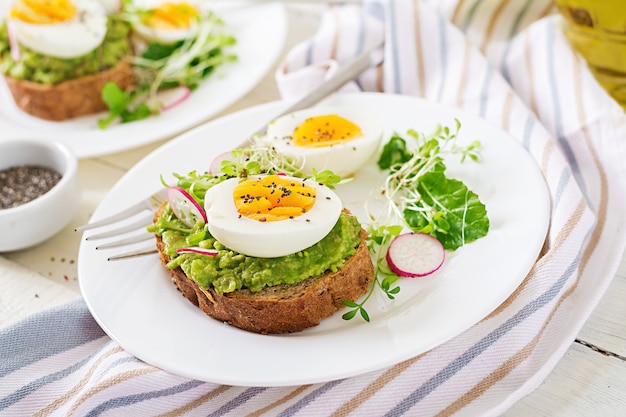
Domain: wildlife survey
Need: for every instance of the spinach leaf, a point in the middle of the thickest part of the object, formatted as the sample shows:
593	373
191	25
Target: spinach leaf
155	50
450	211
418	190
394	152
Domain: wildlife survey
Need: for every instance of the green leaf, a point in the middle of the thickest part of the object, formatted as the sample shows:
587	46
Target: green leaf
327	178
364	315
141	112
155	50
389	279
228	167
460	210
349	315
394	152
253	167
116	100
394	230
114	97
349	303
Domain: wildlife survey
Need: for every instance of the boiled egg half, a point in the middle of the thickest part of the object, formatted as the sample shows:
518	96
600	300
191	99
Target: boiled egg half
272	215
167	21
60	28
340	139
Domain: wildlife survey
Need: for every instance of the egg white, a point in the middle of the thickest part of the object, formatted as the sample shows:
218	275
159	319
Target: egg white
150	34
344	158
269	239
111	6
73	38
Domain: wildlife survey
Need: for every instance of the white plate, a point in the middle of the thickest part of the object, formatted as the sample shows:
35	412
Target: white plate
137	305
260	31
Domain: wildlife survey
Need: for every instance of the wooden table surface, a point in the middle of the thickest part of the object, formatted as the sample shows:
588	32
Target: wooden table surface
590	380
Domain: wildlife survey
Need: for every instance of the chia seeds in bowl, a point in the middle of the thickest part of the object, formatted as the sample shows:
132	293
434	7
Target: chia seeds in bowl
39	191
24	183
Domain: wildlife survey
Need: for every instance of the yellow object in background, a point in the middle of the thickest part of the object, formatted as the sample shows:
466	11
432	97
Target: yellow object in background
597	30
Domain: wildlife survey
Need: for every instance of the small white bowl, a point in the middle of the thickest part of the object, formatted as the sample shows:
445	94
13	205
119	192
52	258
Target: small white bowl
37	220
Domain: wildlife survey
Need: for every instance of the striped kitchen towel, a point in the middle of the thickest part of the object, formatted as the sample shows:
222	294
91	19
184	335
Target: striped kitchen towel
505	61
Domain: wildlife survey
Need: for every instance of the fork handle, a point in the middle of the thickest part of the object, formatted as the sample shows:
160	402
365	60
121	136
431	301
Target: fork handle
346	73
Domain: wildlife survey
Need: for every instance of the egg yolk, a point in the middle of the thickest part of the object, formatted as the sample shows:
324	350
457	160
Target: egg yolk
43	11
327	130
170	16
273	198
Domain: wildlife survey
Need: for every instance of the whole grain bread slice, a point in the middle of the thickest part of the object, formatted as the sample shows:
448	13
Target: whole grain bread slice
69	99
281	308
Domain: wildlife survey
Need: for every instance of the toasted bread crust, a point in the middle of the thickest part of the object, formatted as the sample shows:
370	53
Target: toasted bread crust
70	98
282	308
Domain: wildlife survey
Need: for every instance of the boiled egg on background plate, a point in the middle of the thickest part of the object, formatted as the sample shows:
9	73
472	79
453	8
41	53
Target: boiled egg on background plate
340	139
272	215
61	29
167	21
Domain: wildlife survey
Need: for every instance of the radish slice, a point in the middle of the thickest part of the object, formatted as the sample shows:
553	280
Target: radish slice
184	95
216	163
198	250
185	207
415	255
16	53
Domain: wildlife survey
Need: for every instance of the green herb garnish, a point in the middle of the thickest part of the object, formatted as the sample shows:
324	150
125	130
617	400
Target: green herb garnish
420	197
160	66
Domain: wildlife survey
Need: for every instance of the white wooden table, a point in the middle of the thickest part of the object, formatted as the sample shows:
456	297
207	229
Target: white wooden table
590	380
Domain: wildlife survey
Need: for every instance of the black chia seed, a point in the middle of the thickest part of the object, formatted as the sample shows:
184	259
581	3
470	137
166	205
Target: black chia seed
21	184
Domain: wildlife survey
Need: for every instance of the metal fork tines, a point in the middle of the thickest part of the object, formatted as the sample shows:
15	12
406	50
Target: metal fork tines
127	226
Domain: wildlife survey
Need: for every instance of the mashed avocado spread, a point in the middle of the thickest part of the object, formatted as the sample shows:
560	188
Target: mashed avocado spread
230	271
39	68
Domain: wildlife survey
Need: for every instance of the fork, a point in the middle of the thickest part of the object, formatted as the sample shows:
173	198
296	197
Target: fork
347	73
135	223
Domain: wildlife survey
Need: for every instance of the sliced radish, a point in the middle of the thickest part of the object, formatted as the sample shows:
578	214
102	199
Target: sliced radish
185	207
16	53
415	255
183	92
198	250
216	163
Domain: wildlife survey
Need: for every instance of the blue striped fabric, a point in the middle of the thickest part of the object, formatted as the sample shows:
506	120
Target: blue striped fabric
503	60
36	338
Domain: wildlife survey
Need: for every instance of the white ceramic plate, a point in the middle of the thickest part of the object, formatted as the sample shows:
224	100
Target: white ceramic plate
261	32
137	305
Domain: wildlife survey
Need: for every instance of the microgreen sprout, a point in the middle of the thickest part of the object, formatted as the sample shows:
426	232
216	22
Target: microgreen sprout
258	157
418	196
378	240
328	178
